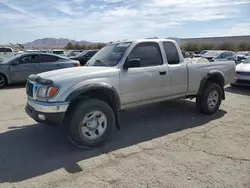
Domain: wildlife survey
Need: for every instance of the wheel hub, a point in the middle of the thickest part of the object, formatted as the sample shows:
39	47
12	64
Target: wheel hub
1	81
94	125
213	99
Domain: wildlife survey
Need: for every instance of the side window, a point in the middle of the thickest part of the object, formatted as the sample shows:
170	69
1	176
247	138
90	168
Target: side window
223	55
5	50
49	58
29	59
148	53
230	54
171	53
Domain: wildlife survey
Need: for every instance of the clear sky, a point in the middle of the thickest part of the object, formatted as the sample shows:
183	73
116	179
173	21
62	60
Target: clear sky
107	20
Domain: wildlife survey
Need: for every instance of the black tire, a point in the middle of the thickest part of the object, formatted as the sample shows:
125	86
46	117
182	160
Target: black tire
3	81
76	117
202	99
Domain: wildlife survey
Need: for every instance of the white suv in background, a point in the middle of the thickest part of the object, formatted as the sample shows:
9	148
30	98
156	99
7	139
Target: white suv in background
6	52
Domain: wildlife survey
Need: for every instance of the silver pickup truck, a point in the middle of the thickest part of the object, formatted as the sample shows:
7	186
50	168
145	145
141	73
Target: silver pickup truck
122	75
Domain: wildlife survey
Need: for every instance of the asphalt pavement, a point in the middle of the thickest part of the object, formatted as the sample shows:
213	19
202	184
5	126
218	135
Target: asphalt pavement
168	144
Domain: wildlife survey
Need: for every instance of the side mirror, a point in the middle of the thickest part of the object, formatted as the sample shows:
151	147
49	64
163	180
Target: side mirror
132	63
14	63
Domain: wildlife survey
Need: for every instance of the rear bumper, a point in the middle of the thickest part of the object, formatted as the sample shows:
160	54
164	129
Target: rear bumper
48	113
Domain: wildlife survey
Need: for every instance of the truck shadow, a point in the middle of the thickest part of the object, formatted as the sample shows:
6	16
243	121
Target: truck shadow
34	150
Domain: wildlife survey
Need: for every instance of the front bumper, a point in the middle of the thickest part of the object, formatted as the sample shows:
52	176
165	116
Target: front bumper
44	112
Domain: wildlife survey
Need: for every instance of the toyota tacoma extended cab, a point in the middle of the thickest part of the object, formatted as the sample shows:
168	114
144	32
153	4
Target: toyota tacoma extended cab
87	100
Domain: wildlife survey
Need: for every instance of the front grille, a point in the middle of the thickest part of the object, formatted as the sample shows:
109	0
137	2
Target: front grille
244	73
29	89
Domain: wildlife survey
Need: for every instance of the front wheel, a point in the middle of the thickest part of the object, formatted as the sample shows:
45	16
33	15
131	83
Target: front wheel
3	81
210	99
92	123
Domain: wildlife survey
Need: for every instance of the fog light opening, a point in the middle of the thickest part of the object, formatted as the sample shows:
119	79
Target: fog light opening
41	117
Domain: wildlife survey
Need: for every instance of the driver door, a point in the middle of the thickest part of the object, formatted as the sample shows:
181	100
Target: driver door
147	82
28	64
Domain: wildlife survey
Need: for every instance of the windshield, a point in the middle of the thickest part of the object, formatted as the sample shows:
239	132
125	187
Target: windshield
211	54
203	52
81	54
247	61
110	55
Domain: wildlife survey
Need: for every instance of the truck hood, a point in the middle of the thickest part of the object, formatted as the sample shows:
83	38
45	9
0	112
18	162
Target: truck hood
75	72
243	67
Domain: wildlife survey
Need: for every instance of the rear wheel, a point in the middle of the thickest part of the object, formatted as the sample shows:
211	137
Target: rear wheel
210	99
3	81
92	123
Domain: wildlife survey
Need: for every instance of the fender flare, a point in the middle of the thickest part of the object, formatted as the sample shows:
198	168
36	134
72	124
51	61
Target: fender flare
220	79
100	86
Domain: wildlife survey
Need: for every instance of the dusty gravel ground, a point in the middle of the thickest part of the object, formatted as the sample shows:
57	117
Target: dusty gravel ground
160	145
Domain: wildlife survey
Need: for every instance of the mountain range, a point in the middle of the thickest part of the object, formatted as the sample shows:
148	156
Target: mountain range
53	43
62	42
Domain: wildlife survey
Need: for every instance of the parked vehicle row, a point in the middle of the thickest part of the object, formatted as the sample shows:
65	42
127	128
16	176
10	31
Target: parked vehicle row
122	75
19	67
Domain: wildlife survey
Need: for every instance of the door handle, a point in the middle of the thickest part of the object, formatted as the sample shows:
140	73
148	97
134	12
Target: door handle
35	66
162	72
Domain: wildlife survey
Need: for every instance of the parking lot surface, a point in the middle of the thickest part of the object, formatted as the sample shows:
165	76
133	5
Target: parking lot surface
161	145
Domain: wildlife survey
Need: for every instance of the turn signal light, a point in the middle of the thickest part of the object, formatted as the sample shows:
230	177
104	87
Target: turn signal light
52	91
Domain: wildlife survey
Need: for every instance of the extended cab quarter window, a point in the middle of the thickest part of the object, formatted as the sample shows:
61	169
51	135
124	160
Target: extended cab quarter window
148	53
171	53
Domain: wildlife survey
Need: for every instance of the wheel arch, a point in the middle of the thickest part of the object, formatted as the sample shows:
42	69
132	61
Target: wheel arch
102	91
216	77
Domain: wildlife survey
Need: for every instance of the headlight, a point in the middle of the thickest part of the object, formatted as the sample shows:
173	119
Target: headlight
47	92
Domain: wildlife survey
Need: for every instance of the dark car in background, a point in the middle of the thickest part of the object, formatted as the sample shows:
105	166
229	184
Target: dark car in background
18	68
85	56
74	53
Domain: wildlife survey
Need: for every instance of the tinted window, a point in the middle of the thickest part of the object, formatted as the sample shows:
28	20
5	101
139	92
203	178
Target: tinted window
5	50
148	53
171	53
230	54
49	58
29	59
58	52
223	55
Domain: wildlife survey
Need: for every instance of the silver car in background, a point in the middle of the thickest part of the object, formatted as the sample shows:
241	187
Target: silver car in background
18	68
218	55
